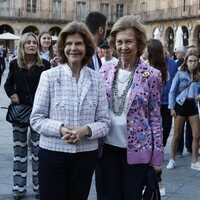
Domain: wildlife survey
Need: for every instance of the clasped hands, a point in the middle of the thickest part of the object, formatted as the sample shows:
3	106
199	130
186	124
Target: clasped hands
73	135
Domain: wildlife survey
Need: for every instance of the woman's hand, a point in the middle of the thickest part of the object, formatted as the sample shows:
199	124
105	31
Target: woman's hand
173	113
74	135
14	98
157	168
67	134
54	61
197	98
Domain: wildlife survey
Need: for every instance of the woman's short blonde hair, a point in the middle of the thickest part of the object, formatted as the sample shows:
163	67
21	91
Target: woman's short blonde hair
128	22
73	28
21	53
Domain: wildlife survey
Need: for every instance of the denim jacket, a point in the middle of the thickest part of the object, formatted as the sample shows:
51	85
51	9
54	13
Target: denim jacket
182	88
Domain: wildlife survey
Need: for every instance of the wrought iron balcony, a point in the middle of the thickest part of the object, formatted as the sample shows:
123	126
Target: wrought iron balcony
170	13
46	15
36	15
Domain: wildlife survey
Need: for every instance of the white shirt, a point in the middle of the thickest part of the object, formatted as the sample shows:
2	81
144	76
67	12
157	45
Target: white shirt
45	55
113	61
96	62
118	132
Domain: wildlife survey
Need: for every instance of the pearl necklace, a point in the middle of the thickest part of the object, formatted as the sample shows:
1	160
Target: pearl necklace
118	109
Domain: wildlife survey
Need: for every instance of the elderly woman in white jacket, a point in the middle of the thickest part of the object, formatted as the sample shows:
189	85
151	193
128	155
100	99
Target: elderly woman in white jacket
70	112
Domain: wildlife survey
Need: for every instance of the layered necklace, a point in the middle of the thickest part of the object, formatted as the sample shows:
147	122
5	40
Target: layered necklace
118	101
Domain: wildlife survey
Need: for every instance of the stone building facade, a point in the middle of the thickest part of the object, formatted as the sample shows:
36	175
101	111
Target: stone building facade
164	16
170	17
20	16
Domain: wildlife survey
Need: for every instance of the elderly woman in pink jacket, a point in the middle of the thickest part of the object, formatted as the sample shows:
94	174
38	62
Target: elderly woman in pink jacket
135	138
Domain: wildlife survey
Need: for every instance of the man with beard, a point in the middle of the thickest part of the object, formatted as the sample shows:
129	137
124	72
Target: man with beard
97	24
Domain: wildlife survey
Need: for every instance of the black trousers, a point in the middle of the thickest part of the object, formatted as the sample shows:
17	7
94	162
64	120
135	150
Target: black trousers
120	181
166	123
65	176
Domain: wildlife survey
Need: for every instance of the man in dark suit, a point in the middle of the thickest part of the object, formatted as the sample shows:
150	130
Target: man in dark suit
97	24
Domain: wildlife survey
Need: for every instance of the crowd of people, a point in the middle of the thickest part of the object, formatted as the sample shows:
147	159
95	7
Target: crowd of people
102	104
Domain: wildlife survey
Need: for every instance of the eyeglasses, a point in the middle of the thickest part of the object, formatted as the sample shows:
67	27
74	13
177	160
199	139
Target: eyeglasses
192	61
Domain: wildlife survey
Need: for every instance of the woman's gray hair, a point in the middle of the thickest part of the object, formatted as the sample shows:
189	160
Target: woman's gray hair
129	22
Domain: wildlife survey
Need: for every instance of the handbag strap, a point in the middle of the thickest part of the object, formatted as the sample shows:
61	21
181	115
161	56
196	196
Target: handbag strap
185	87
26	83
28	90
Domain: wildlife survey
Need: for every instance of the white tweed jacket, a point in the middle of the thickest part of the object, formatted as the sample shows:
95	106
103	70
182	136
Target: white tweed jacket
60	99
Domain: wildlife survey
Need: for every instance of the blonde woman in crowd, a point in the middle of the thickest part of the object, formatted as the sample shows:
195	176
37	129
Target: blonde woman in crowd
20	86
70	112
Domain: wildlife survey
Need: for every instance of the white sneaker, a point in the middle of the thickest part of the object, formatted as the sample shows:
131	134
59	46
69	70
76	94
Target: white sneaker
171	164
162	191
195	166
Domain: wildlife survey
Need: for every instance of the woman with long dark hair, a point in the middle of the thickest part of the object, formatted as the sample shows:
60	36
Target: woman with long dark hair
185	88
156	59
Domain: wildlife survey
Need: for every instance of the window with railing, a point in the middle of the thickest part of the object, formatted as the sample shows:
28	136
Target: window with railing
184	6
81	10
31	6
57	9
119	10
104	8
4	5
3	2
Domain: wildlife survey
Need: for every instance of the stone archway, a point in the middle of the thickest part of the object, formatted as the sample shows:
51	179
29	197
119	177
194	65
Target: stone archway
169	37
55	30
32	29
185	36
8	44
196	37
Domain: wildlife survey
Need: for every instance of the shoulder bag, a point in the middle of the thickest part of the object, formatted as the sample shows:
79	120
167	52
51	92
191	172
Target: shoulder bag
20	113
151	191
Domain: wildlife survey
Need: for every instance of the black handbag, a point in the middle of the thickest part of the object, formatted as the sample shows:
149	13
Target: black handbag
19	114
151	191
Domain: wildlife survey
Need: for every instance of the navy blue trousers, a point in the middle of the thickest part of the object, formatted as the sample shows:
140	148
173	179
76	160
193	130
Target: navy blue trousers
166	122
65	176
120	181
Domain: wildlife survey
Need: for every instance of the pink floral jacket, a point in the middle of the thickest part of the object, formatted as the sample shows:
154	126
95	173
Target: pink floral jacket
144	124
